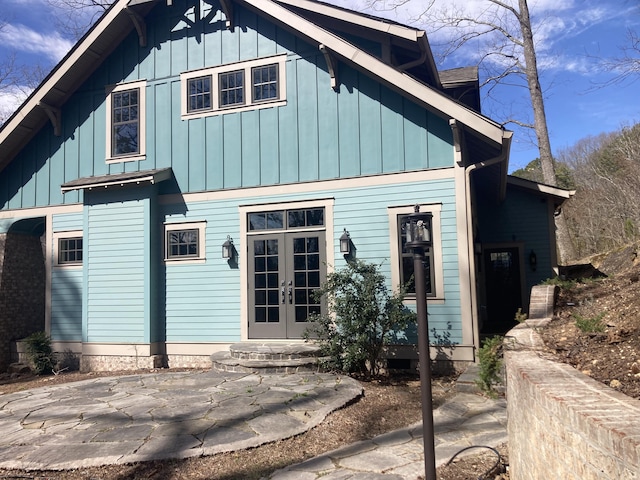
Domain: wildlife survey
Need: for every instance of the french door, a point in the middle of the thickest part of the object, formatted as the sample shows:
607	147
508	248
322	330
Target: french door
284	269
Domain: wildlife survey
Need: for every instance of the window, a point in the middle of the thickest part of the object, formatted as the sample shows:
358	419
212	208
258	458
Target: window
402	268
406	264
184	242
199	93
231	88
265	83
125	110
295	218
68	249
236	87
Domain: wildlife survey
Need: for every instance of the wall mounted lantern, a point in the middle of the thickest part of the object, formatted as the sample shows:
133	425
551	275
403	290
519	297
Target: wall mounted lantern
345	243
533	260
228	250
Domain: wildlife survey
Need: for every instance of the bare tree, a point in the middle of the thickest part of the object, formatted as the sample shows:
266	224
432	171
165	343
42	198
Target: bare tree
627	66
603	215
76	16
509	58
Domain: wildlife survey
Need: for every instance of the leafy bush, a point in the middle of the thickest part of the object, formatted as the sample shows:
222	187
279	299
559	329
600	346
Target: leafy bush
40	352
589	324
490	357
362	317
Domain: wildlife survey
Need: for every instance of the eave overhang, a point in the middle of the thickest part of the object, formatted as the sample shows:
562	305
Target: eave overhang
118	180
45	102
559	195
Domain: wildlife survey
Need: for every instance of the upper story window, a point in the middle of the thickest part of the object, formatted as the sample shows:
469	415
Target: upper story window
231	88
199	96
126	122
235	87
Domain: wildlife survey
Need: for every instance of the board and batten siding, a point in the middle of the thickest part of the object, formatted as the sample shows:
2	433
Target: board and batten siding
363	129
66	286
117	267
202	300
523	220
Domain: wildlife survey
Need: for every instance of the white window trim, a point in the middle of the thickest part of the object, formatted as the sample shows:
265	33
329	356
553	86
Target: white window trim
141	85
57	236
435	209
248	94
201	227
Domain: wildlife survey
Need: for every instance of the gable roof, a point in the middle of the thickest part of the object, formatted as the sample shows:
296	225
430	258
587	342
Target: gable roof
485	136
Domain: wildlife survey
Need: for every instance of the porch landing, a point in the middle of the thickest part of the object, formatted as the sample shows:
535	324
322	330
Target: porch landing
273	357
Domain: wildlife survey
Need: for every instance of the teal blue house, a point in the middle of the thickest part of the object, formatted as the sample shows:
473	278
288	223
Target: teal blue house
269	128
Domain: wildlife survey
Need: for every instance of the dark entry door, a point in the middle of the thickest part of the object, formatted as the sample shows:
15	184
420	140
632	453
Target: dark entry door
284	270
503	289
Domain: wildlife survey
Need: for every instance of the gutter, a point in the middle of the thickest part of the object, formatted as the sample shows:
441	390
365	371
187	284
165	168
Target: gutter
502	157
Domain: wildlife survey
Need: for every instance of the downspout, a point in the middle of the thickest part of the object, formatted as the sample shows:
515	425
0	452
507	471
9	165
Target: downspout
504	155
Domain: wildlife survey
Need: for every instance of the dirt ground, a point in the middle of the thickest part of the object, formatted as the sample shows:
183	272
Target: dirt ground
612	355
386	405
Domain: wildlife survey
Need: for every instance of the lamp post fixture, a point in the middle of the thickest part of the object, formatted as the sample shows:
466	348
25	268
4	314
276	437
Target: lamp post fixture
418	239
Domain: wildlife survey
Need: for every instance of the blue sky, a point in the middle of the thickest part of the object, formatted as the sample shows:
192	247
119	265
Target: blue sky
572	36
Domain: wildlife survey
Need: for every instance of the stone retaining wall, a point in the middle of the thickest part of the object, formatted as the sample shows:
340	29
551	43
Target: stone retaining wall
22	291
562	423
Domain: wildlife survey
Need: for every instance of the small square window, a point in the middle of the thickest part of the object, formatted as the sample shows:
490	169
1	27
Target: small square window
70	251
265	82
231	88
184	241
199	93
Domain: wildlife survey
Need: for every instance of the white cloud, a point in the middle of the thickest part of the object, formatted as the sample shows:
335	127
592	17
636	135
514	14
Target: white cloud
10	99
24	39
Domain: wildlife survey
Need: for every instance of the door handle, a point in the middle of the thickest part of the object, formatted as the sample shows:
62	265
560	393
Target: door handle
282	291
290	292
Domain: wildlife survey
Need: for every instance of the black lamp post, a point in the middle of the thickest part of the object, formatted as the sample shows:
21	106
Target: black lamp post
418	236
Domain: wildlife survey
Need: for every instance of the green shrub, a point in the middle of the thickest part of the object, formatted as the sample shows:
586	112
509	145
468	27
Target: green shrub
589	324
40	353
490	358
362	317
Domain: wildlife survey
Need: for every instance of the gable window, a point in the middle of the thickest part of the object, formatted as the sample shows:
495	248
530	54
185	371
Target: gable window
125	111
402	267
235	87
199	93
184	241
265	83
231	88
68	249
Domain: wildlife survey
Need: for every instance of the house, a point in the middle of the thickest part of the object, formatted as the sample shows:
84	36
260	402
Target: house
175	128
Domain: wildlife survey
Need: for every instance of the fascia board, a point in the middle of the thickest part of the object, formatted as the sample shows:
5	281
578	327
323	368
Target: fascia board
540	187
393	78
394	29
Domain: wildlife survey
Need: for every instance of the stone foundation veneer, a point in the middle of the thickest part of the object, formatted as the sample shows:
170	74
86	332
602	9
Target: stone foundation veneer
562	423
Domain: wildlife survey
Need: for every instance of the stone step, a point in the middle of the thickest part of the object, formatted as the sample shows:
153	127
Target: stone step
250	357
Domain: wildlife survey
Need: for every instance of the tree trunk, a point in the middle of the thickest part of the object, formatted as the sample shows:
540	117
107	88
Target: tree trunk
566	250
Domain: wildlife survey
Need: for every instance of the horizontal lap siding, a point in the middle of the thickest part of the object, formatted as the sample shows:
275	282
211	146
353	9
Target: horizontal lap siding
202	300
363	212
66	287
116	272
